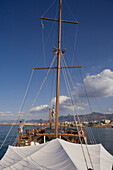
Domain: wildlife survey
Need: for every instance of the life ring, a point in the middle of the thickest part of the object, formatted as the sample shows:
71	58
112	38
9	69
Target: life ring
81	132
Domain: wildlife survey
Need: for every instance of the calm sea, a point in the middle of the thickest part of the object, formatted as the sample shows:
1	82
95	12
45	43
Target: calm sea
100	135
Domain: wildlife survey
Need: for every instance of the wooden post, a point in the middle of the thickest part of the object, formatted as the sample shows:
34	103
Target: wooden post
58	71
19	139
29	140
50	119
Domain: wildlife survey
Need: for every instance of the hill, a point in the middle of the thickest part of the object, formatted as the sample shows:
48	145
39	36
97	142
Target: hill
88	117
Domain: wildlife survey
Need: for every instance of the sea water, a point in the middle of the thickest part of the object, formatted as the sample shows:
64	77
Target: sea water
101	135
94	135
4	129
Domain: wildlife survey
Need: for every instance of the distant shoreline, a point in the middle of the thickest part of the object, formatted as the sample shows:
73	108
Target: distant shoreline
35	124
8	123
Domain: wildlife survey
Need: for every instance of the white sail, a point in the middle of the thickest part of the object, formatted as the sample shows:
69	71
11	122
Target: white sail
56	154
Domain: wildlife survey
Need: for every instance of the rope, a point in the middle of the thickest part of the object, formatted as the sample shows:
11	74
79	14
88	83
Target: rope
6	137
48	8
73	99
23	102
38	93
39	90
27	91
73	86
50	29
70	10
44	55
42	25
78	117
75	119
47	37
96	103
88	101
52	86
76	32
44	44
92	136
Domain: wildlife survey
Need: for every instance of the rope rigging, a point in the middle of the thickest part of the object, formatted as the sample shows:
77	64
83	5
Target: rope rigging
48	8
73	104
28	87
70	10
44	43
52	86
93	139
74	54
90	108
39	90
65	77
19	113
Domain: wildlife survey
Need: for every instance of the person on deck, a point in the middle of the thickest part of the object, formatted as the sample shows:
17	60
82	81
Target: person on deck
20	133
21	128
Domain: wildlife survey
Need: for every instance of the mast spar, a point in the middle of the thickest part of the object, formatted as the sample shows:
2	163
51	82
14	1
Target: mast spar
58	71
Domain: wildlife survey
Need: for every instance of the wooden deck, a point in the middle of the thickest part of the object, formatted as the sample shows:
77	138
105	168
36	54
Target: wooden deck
43	133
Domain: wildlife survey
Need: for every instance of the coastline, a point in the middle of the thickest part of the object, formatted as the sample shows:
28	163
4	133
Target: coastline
35	124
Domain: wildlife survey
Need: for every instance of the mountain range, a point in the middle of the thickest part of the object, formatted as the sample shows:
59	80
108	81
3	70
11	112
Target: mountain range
95	116
88	117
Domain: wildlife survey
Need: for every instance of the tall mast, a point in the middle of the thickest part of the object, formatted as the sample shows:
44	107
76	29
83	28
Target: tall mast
59	51
58	71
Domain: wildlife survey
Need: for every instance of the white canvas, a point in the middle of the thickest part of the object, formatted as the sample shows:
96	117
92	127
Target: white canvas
56	155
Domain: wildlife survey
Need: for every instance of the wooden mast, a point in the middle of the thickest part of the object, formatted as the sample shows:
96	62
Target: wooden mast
59	51
58	71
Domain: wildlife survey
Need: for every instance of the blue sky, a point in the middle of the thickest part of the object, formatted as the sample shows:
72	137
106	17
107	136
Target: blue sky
21	49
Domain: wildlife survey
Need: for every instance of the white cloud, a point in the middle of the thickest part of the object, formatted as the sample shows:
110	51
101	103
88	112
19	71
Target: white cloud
5	112
110	109
6	115
80	108
62	99
40	108
99	85
64	105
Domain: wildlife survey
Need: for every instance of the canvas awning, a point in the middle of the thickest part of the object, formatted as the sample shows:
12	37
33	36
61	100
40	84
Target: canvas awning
56	155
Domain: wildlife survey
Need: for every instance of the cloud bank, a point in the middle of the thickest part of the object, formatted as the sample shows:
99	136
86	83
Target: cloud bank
7	113
64	105
40	108
99	85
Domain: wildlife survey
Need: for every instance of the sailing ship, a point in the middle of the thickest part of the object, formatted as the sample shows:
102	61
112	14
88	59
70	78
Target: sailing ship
42	133
72	152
